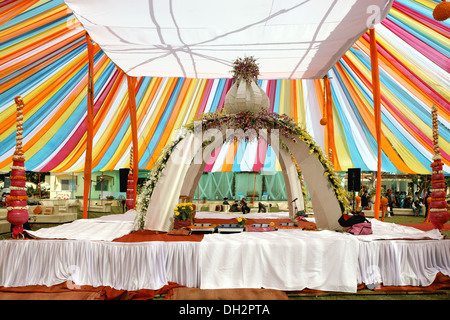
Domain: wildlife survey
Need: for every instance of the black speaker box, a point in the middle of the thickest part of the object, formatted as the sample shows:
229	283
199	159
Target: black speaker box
354	179
123	174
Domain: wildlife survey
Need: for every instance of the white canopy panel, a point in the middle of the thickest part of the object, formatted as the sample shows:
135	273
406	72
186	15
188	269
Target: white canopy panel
201	38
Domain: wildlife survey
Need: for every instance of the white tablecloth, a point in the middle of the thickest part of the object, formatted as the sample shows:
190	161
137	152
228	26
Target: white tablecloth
403	263
128	266
283	260
233	215
385	231
106	228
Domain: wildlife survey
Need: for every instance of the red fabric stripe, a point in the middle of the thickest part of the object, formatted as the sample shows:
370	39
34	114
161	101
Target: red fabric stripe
260	155
428	51
430	23
421	84
78	134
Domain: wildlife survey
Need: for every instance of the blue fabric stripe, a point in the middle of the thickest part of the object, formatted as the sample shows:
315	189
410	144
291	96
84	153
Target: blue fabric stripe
412	148
29	125
218	95
352	147
414	106
162	124
271	160
238	158
276	103
31	13
34	32
432	42
387	164
56	140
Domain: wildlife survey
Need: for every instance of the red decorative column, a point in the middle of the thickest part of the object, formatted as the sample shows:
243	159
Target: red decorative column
131	201
17	200
438	206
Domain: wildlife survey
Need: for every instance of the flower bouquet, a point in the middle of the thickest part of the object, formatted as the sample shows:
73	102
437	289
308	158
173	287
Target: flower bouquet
183	215
241	221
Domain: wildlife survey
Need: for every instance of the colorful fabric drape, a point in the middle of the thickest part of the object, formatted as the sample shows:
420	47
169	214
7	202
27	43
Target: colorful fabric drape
43	58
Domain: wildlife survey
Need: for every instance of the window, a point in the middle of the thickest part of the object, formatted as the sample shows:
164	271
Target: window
68	185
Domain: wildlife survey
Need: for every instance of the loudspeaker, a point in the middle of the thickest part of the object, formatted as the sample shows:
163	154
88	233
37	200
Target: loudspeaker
123	175
354	179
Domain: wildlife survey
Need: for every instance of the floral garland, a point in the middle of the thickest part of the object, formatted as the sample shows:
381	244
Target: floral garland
246	69
245	120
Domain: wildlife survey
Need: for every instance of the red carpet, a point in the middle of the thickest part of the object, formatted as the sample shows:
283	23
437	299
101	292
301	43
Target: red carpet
426	226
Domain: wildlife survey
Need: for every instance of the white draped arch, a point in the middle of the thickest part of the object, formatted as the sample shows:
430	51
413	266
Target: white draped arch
186	163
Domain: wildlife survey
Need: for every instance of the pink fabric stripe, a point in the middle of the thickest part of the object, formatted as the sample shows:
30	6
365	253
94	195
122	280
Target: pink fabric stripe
411	75
428	51
212	160
224	93
76	137
408	124
208	87
430	23
271	88
260	155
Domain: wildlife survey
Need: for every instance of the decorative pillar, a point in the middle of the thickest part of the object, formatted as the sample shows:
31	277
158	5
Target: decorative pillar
17	201
133	119
438	214
131	198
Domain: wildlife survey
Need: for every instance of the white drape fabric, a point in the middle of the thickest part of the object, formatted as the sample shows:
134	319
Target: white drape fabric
403	263
283	259
128	266
167	191
294	182
327	210
233	215
106	228
84	229
201	38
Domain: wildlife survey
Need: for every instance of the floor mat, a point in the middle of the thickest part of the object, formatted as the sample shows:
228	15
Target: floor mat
225	294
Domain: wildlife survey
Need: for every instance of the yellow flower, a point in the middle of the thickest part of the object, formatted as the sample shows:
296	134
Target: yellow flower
239	219
177	213
176	209
272	224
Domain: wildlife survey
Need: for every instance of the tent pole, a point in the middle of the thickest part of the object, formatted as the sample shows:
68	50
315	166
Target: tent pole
377	112
132	105
330	126
89	129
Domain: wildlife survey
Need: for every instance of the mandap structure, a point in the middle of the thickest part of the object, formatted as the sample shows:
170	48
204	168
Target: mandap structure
361	77
245	116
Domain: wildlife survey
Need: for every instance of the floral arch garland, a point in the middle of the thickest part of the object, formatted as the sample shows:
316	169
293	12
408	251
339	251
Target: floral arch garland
286	127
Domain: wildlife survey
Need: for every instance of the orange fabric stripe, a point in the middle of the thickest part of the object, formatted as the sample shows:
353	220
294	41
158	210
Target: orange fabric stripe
15	9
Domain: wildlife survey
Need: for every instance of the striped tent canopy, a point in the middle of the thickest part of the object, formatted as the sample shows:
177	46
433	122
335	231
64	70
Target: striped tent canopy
43	58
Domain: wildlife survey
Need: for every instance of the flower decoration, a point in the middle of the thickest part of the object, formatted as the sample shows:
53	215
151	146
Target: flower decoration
241	221
183	211
246	69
